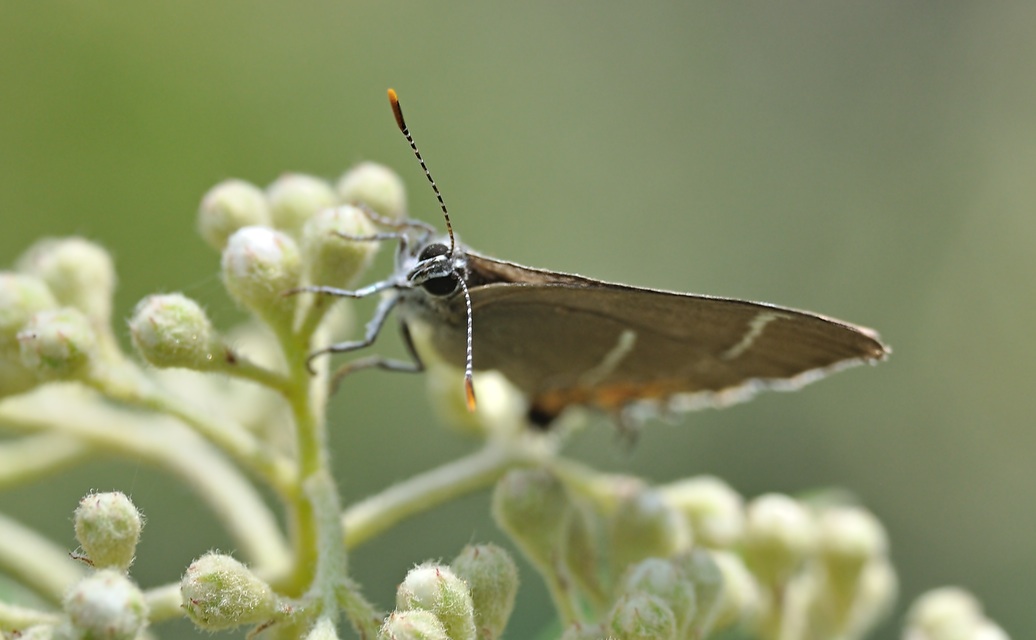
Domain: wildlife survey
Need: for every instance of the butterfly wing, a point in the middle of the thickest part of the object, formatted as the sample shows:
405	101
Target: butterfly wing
564	340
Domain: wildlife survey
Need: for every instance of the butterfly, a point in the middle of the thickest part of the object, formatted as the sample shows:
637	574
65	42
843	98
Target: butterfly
566	340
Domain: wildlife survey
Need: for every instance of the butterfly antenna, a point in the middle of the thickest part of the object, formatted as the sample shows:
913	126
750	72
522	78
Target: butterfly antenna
469	384
398	112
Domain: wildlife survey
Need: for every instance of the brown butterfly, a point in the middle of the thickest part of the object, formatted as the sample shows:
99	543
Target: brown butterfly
566	340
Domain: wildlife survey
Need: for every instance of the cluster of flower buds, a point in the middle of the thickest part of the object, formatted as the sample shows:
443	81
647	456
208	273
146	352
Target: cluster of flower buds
691	558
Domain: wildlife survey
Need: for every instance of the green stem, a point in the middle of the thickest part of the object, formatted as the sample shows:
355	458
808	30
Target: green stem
33	457
35	561
367	518
127	385
167	444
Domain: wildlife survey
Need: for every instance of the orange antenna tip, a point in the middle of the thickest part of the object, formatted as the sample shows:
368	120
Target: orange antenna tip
396	110
469	393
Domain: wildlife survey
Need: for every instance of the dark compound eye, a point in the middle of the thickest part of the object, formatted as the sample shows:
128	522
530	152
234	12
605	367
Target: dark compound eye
443	286
433	250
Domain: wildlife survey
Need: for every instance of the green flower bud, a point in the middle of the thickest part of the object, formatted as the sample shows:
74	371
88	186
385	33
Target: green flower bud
664	579
78	272
219	592
702	570
294	198
532	506
501	407
582	553
108	528
945	614
229	206
875	596
106	606
644	526
171	330
436	588
374	186
413	625
20	297
58	344
642	616
715	511
779	534
259	265
742	597
492	577
848	539
332	260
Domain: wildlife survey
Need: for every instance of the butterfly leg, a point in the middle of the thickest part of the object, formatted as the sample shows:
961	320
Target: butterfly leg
414	366
374	325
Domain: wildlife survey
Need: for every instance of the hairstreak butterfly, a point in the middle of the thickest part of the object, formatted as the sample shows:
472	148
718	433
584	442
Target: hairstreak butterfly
567	340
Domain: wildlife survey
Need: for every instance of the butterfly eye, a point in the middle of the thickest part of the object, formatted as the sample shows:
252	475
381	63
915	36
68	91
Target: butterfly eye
432	251
443	286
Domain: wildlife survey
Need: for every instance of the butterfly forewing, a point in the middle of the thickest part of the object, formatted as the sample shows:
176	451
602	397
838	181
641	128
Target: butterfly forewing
564	339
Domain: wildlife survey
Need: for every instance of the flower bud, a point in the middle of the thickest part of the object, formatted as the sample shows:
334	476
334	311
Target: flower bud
705	575
108	528
715	511
642	617
259	266
21	296
171	330
945	614
78	272
374	186
779	534
413	625
229	206
644	526
664	579
501	407
294	198
332	260
848	538
58	344
742	596
492	577
436	588
219	592
532	506
106	605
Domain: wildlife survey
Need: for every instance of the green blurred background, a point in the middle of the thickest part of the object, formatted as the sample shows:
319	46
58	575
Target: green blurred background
872	161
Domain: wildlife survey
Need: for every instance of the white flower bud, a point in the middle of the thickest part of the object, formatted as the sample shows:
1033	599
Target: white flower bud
435	588
78	272
779	534
332	260
294	198
374	186
416	624
106	606
259	266
715	510
229	206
